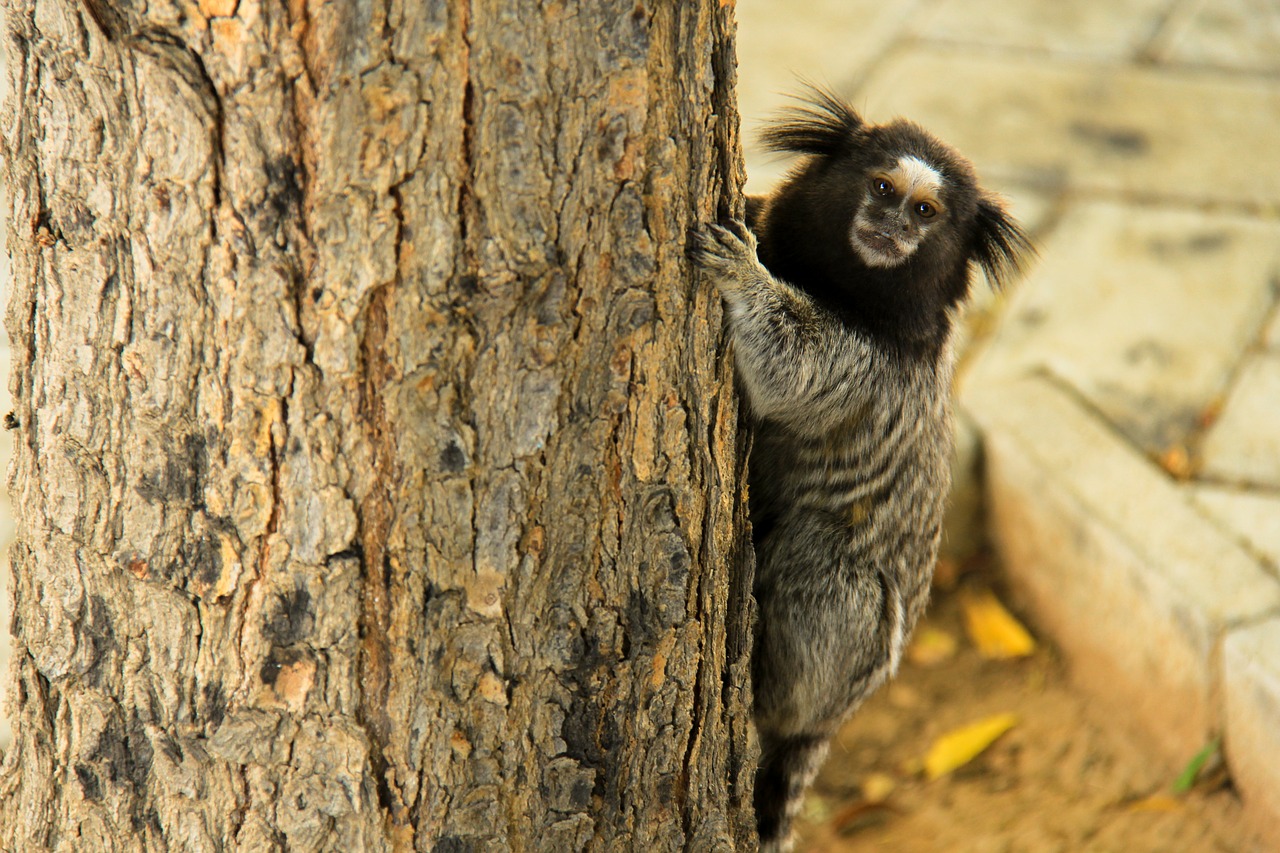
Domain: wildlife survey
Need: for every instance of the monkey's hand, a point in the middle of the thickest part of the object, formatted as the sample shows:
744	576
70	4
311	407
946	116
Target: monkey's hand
727	253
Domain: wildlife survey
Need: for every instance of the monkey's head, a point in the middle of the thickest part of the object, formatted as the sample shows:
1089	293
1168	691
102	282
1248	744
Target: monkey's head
885	221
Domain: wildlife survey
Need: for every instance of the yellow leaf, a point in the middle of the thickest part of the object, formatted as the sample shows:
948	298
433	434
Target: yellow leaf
877	787
960	746
931	646
1177	462
994	630
1156	803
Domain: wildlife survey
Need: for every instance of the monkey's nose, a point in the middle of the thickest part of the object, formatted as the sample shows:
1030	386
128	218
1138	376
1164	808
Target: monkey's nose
897	222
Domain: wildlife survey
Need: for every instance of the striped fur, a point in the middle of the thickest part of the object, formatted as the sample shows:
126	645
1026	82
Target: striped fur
848	473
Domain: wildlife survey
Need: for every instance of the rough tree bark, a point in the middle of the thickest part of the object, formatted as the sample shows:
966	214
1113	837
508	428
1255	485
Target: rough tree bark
377	472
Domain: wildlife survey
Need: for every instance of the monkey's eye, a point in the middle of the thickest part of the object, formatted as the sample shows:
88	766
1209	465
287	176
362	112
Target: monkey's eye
881	187
925	210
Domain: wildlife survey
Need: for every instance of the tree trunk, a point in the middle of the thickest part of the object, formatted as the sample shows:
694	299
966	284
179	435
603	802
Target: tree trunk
377	469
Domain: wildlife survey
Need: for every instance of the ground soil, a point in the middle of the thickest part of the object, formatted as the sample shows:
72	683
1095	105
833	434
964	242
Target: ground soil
1066	779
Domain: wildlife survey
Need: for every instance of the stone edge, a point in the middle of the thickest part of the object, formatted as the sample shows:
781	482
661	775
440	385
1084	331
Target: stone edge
1159	614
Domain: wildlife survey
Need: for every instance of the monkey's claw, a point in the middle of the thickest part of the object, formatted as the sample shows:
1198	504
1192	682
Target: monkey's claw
720	248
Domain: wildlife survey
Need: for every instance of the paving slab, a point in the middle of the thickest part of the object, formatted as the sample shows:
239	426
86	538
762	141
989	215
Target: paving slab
1243	445
1090	28
1100	127
1241	35
1114	559
1251	692
1146	311
1033	210
1253	517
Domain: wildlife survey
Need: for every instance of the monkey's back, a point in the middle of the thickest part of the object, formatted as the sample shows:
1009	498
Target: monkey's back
848	511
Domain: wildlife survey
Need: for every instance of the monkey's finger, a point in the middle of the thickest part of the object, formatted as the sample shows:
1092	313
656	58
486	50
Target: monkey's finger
699	242
740	230
714	238
706	252
732	244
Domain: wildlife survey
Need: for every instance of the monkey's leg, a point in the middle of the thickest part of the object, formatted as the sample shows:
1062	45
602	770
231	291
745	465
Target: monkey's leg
829	624
830	627
787	768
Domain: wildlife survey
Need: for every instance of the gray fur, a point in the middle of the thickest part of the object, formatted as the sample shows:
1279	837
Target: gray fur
851	457
842	318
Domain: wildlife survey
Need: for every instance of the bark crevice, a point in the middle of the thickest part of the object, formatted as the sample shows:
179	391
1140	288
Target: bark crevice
375	513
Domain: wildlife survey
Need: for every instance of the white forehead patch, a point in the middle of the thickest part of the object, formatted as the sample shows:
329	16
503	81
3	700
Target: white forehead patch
919	176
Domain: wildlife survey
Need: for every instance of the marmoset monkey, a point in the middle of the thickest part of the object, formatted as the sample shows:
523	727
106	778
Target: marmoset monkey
842	321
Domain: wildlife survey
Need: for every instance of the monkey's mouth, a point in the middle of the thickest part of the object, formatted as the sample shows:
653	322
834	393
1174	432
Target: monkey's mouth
877	248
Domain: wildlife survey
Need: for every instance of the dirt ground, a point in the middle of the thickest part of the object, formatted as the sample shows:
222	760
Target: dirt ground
1064	779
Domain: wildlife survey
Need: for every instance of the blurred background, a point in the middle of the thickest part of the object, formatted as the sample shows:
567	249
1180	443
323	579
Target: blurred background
1104	641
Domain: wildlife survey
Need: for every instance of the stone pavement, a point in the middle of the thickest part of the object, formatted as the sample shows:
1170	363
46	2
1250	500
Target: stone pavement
1125	397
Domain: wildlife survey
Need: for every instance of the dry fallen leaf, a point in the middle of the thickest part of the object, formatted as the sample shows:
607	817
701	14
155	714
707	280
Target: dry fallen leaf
1156	803
877	787
960	746
1177	462
993	629
931	646
848	818
1209	414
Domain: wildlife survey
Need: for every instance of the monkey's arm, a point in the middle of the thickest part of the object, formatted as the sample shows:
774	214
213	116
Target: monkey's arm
797	362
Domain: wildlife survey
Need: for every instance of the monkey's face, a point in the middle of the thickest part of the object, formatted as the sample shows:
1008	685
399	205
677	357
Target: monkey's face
900	204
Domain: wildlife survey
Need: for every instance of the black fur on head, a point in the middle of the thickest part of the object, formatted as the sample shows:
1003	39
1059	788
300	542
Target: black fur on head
862	185
823	124
1000	246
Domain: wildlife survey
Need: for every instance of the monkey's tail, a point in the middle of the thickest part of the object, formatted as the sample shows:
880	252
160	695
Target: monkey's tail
787	768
